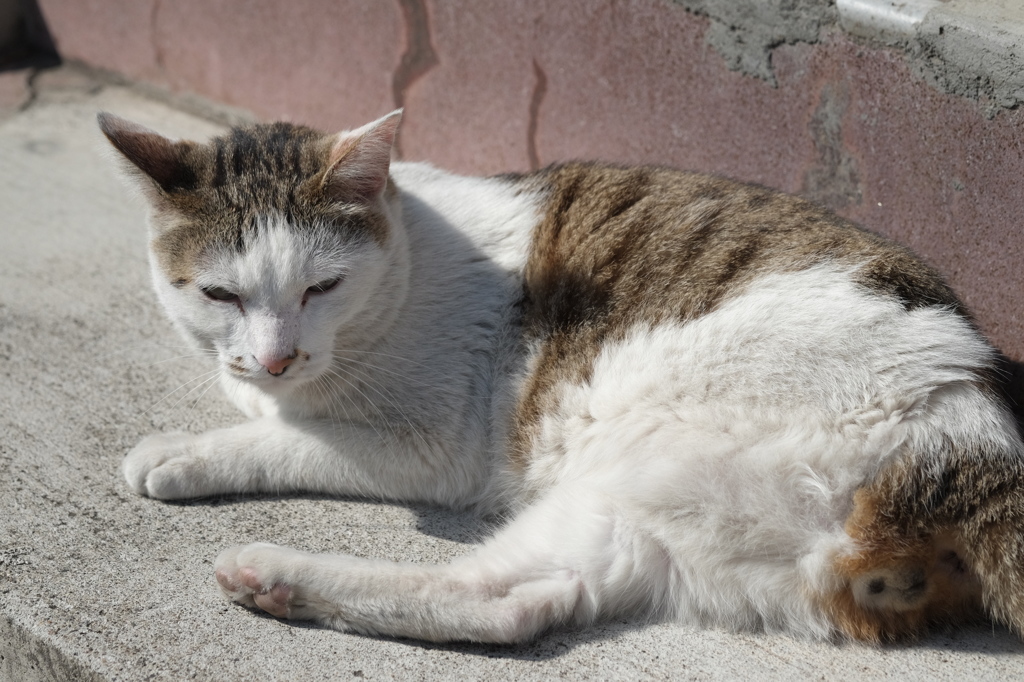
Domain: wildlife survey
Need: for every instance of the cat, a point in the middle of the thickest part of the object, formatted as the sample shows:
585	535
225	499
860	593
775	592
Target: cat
689	399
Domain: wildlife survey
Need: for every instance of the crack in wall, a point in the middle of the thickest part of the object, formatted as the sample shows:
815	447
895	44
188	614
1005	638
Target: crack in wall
32	90
540	88
31	96
419	56
158	52
832	179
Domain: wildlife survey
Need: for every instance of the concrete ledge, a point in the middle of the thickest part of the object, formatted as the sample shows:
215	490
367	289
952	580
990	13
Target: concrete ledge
26	656
884	20
971	48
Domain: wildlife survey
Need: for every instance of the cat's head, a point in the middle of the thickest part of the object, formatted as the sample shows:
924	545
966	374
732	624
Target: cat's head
268	240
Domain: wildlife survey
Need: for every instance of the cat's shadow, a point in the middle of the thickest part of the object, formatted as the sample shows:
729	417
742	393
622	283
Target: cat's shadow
461	526
983	638
549	646
456	526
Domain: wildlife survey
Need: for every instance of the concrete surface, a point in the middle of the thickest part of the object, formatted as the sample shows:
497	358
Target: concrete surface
745	32
98	584
973	48
976	49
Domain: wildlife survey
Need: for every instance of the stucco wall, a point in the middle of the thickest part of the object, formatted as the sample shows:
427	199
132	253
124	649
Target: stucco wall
490	87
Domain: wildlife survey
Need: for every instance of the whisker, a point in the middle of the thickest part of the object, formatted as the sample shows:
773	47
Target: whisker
381	391
178	357
205	391
386	355
148	347
204	376
324	387
207	380
386	422
433	387
369	402
391	400
315	383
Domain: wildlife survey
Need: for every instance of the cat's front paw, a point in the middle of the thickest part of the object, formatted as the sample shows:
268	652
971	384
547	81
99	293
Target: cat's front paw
165	466
263	576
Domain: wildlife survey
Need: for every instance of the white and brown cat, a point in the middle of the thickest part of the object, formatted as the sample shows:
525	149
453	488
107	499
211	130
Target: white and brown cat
692	399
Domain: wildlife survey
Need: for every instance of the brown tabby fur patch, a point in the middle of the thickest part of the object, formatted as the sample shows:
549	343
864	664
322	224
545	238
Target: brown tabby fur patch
957	525
213	195
621	246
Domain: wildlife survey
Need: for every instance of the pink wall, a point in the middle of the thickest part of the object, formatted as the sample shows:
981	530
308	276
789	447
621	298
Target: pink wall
504	86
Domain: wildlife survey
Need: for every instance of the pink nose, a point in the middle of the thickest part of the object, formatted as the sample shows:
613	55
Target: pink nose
277	366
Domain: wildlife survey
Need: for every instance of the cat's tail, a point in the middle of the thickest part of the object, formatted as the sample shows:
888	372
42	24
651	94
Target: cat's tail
940	536
992	535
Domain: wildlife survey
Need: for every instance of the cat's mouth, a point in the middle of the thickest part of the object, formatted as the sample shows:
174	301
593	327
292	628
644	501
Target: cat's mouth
272	372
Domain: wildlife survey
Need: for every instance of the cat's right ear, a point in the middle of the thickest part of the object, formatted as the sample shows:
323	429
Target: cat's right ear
156	164
360	159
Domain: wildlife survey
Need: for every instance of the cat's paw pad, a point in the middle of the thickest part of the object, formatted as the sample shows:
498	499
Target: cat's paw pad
257	576
163	466
892	588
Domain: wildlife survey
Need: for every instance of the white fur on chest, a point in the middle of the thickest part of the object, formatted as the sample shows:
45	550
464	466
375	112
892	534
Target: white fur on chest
458	330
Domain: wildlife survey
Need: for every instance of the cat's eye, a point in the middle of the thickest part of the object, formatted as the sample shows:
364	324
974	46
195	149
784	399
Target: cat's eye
324	286
220	294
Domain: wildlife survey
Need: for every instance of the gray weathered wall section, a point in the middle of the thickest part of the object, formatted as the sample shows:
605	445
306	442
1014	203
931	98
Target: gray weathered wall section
964	48
981	58
744	32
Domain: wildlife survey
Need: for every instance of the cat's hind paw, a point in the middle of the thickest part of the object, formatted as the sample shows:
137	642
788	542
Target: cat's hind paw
164	466
255	576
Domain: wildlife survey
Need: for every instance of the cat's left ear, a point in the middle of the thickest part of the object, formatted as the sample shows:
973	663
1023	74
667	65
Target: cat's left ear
158	166
360	159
